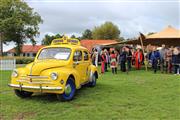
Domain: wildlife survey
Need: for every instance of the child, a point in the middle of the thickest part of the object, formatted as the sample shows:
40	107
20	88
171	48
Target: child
113	62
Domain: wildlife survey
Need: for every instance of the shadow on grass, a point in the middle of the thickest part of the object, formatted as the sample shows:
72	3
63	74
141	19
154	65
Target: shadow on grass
80	93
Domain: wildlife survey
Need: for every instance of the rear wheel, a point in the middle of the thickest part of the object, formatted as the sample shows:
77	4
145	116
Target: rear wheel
23	94
69	91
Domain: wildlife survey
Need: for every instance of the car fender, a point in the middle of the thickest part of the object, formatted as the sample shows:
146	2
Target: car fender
93	71
66	73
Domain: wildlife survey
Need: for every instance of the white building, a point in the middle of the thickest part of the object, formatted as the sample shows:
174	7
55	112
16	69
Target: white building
26	51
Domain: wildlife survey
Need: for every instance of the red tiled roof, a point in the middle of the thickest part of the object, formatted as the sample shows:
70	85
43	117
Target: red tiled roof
89	44
27	49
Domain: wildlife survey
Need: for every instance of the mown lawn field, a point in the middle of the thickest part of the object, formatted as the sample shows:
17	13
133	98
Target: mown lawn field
137	95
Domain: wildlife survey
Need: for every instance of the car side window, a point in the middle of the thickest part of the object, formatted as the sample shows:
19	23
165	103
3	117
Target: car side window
86	56
77	56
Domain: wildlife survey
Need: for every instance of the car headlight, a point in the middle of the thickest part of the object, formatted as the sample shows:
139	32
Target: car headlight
54	76
14	73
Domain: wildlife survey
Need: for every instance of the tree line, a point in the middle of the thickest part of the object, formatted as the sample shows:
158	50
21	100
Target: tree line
19	23
106	31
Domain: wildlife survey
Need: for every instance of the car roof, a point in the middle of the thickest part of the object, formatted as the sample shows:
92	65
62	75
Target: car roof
74	47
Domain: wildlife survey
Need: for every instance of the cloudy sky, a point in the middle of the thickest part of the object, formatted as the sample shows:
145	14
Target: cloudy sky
131	16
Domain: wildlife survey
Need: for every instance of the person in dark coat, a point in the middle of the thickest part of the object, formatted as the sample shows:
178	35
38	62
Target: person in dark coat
123	57
154	56
107	59
176	60
129	58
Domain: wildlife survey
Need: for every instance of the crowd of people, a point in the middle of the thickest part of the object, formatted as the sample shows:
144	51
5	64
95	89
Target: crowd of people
167	60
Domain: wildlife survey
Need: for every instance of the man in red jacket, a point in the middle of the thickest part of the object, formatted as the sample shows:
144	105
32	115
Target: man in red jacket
138	59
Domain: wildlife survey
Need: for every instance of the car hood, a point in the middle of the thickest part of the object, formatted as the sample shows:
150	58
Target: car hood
37	67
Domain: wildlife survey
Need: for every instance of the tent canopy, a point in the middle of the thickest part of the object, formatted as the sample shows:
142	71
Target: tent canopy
169	36
168	32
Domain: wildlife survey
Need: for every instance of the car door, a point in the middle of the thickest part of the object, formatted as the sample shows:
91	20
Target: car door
78	64
86	65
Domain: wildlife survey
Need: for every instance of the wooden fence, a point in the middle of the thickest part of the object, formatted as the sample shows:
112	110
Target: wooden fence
7	64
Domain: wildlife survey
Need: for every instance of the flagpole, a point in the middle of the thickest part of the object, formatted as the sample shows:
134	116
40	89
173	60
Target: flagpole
143	51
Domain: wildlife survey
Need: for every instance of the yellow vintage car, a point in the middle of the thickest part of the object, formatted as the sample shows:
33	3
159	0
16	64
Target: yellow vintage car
61	68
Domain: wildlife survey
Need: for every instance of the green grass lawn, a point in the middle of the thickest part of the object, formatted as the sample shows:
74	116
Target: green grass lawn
138	95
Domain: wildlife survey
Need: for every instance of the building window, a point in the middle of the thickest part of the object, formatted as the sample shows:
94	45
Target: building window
34	54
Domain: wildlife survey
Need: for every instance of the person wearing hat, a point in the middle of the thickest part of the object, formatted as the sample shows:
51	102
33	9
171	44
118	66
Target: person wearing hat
138	58
154	57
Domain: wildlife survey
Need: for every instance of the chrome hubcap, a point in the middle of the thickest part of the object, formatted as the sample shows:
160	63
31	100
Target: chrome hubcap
68	89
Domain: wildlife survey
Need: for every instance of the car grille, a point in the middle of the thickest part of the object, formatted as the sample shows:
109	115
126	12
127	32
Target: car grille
35	79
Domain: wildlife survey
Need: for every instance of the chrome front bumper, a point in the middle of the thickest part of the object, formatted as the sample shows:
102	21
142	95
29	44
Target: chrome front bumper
34	87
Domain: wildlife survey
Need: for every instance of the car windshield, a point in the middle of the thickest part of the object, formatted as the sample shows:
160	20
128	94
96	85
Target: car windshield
55	53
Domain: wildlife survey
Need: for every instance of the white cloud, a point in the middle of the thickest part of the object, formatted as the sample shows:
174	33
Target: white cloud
131	16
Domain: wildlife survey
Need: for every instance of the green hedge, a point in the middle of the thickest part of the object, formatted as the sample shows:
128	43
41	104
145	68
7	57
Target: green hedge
20	60
23	60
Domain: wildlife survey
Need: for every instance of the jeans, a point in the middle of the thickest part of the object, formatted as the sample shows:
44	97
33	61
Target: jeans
154	65
123	66
176	69
129	64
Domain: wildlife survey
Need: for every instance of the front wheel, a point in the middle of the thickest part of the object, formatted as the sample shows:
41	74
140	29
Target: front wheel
69	91
23	94
92	83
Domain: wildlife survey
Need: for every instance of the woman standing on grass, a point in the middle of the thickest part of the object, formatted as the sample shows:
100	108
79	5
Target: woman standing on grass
103	60
176	60
123	57
129	58
154	57
113	58
169	59
138	59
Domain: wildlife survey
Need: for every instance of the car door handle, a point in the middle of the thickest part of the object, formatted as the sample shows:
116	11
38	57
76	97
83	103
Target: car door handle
76	63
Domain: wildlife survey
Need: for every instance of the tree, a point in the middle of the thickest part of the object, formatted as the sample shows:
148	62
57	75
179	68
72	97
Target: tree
18	23
48	39
106	31
121	39
150	33
73	36
87	34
